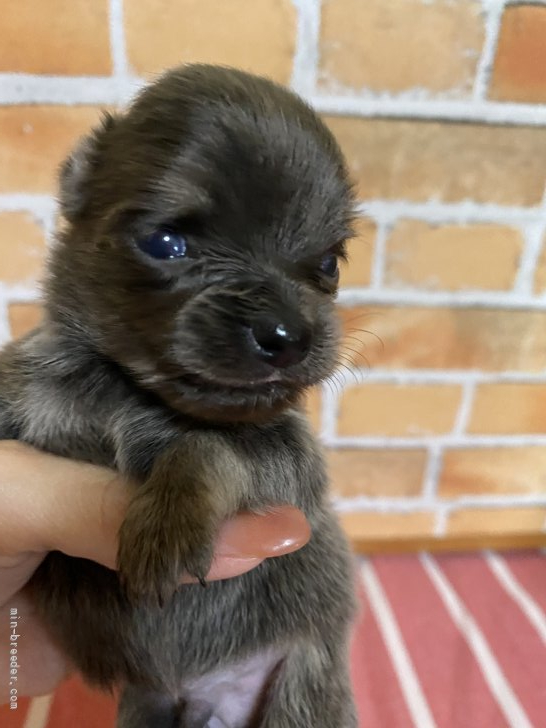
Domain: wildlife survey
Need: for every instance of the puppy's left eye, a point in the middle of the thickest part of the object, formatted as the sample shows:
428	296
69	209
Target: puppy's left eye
164	244
328	265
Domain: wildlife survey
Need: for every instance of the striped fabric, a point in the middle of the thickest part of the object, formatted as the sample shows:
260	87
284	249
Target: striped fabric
452	641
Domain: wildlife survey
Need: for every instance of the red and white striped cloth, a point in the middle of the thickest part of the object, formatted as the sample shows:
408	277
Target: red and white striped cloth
451	641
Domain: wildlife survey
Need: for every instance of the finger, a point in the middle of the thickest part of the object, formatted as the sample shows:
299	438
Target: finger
90	526
51	503
41	666
246	540
15	571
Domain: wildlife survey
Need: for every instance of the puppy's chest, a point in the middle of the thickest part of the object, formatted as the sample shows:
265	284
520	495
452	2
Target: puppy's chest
61	420
285	462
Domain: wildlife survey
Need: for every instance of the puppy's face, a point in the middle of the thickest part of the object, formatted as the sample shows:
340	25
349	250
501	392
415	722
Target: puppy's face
201	252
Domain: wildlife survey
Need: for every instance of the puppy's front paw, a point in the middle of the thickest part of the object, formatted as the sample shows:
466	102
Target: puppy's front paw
156	547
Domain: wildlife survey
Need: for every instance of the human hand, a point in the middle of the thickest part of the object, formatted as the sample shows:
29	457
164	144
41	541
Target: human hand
50	503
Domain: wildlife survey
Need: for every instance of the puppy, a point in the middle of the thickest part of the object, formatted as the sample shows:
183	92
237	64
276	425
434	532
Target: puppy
189	304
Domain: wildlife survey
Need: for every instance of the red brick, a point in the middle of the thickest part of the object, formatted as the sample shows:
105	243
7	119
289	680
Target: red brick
519	73
502	521
313	407
69	37
449	162
360	249
398	410
23	317
508	408
447	338
387	526
34	141
22	248
453	257
493	471
258	36
399	45
385	473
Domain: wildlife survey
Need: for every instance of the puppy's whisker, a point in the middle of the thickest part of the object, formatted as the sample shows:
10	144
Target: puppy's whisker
343	366
334	383
328	383
360	358
354	338
366	331
356	352
346	362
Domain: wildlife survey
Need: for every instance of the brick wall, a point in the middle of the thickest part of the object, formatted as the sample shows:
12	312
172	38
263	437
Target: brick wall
436	428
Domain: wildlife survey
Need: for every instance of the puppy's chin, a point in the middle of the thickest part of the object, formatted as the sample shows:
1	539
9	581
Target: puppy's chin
216	401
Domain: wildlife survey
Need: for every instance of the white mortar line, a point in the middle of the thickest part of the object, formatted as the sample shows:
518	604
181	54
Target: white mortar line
525	278
506	300
492	10
329	412
5	334
481	502
19	292
366	504
442	376
50	228
22	88
467	442
67	91
465	211
534	235
379	256
40	205
440	521
432	474
117	39
465	408
406	107
304	71
385	504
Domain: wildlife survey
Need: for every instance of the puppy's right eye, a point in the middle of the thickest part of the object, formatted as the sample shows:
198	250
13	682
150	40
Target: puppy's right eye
164	244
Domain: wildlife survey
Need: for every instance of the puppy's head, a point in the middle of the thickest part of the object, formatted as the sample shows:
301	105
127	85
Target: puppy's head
204	228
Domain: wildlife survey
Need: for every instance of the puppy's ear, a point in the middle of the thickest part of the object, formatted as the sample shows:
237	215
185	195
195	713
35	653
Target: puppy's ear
77	169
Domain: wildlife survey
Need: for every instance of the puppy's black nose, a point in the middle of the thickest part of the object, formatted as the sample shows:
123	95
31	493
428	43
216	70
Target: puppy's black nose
280	345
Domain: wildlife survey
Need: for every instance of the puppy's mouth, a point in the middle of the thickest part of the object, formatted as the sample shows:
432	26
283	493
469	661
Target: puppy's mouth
236	384
223	398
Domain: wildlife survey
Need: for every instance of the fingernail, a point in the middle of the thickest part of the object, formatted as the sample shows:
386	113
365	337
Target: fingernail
274	533
224	567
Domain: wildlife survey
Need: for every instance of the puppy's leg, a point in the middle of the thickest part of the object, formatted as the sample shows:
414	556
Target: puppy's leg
8	427
8	430
174	515
143	709
312	690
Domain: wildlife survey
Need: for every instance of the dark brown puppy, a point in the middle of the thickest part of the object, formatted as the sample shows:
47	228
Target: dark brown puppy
189	303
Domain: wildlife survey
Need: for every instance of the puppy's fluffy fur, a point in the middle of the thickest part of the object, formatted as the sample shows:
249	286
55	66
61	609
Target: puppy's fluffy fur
151	365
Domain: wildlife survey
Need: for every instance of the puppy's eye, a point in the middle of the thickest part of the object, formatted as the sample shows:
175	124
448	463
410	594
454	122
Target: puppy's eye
164	244
328	265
